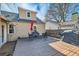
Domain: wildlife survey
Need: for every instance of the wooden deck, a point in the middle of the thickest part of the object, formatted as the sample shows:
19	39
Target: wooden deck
65	48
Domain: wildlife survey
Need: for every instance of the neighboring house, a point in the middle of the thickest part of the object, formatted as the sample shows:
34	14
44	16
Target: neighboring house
67	25
3	30
52	28
51	25
73	24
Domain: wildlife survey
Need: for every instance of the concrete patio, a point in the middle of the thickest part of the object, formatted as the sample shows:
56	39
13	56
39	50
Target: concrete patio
36	47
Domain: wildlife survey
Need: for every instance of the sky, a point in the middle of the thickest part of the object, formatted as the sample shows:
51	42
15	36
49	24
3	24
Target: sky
75	9
40	8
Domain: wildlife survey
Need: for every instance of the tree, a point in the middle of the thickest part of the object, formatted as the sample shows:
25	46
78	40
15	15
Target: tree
60	11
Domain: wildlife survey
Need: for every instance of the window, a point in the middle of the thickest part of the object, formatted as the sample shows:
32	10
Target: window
28	14
11	28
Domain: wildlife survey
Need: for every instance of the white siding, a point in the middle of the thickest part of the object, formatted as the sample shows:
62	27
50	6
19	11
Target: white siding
51	26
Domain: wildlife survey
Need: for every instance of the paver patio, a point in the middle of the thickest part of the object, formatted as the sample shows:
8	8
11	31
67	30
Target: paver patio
36	47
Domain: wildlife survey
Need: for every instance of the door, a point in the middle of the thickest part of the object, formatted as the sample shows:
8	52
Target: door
2	33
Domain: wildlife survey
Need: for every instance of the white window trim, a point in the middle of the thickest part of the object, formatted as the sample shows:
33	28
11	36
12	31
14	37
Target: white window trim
9	28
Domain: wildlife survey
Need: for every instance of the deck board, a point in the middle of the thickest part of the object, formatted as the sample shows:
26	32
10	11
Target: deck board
65	48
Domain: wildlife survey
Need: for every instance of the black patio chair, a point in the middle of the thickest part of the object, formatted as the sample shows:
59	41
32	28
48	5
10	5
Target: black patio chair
34	34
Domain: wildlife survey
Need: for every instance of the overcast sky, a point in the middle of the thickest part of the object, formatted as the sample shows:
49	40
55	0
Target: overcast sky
40	8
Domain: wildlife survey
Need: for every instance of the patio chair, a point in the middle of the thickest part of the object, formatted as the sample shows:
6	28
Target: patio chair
34	34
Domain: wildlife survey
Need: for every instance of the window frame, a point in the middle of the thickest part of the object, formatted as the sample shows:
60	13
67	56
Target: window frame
29	14
11	28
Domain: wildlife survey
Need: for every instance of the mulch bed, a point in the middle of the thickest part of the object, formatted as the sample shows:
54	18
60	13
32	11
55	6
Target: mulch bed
8	48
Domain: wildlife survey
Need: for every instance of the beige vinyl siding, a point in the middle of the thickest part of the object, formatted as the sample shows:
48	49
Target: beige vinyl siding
12	36
40	28
23	28
23	14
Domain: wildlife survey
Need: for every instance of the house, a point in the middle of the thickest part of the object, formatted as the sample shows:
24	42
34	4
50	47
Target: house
69	25
11	17
52	28
21	27
5	19
51	25
3	30
14	25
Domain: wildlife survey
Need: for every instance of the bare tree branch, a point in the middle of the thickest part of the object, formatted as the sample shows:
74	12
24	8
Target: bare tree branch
60	11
